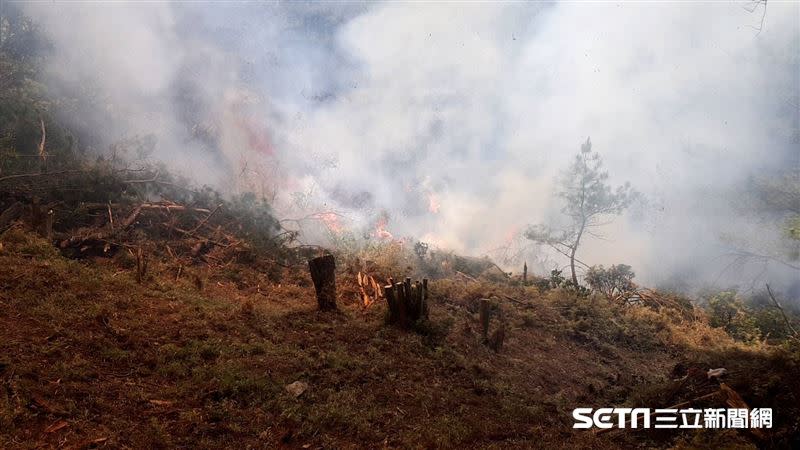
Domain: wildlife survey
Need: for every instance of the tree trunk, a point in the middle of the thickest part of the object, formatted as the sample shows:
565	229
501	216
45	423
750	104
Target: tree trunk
574	250
323	274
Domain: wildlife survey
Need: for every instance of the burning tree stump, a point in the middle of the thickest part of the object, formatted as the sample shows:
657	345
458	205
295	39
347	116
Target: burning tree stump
407	302
323	274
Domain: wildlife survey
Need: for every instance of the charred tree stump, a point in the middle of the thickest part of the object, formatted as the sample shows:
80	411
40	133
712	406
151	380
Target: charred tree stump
525	272
391	302
407	302
402	305
323	274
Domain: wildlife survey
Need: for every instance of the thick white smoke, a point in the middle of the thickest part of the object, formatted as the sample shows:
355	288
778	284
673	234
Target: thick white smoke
453	120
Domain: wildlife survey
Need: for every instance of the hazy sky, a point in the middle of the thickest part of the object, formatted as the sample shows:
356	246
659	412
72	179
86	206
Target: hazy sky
452	119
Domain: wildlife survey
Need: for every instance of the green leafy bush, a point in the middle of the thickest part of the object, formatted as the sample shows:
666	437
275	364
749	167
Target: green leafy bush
614	283
727	311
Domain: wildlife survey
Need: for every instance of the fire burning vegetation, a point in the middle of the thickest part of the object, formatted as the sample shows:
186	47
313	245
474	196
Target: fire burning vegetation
173	274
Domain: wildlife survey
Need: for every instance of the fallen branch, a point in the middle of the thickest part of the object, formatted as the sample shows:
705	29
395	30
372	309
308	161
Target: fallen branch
102	234
467	276
168	206
508	297
203	222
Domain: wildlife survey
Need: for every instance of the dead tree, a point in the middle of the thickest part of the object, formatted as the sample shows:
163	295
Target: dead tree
323	274
407	302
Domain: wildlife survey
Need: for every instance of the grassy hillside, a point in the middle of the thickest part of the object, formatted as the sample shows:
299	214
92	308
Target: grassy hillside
89	357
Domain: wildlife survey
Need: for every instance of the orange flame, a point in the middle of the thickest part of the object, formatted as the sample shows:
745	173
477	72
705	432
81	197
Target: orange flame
380	229
331	220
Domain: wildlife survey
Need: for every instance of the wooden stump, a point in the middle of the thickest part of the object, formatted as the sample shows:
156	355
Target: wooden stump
407	302
323	274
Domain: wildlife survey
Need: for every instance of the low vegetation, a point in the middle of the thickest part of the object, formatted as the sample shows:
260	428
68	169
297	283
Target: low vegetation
92	357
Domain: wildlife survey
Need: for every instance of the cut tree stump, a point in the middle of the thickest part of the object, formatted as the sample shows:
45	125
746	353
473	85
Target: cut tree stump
323	274
407	302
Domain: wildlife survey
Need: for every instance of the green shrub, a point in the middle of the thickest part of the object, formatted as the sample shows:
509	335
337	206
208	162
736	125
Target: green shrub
727	311
616	282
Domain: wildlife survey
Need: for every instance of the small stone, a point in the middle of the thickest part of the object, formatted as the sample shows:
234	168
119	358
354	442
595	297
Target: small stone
297	388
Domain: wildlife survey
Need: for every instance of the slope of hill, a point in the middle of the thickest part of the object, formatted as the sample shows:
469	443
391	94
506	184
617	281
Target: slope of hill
91	358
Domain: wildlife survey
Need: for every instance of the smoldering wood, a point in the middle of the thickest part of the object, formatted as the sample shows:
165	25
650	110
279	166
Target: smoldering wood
323	274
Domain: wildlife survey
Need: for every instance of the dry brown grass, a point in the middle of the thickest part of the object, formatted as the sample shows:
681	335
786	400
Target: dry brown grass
175	363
